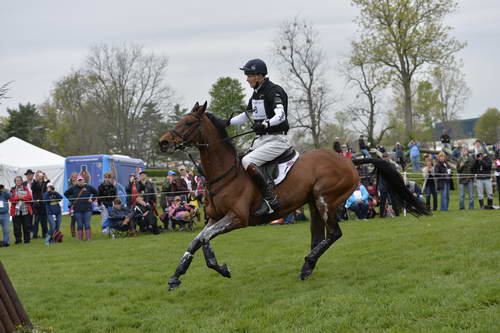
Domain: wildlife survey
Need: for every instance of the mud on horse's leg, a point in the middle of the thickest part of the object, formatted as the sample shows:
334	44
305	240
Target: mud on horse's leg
329	216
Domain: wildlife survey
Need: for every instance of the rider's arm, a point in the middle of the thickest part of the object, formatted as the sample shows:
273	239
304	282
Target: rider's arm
279	115
239	119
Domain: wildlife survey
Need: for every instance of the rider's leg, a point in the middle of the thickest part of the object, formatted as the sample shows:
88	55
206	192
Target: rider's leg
270	200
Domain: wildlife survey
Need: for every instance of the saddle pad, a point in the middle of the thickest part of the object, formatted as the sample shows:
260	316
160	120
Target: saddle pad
284	168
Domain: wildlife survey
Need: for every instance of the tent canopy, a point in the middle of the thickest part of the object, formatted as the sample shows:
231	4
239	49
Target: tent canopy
16	156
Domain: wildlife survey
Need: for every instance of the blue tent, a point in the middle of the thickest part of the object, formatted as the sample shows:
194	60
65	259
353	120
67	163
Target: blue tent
93	168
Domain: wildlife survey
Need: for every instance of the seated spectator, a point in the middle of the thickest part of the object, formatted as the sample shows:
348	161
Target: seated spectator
52	201
358	202
148	222
414	189
121	218
180	211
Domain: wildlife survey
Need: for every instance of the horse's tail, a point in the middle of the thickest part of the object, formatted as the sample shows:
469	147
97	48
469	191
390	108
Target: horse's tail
396	186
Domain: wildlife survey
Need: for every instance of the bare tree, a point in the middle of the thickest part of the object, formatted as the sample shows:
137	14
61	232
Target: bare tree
302	65
369	79
4	90
453	91
125	81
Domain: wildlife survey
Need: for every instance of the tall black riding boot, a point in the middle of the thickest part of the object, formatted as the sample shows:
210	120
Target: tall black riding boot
490	203
270	200
481	203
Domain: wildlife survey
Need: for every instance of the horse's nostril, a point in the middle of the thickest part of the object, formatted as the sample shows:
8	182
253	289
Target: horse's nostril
163	146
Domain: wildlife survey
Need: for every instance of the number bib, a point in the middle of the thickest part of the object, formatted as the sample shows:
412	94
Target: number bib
260	110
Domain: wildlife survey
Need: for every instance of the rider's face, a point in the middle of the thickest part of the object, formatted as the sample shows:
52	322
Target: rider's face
254	80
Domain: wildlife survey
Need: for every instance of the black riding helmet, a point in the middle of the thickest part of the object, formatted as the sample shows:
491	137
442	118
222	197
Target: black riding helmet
255	66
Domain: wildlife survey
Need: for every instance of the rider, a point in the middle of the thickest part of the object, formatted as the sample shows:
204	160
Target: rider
268	109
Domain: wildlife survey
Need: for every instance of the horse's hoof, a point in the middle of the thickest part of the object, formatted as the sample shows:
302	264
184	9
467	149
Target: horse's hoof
224	271
304	275
173	283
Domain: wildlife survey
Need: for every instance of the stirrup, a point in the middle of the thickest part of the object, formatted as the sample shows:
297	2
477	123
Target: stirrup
264	209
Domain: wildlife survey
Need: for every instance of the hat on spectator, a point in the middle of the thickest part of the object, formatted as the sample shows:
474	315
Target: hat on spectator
385	154
79	177
29	172
143	171
50	185
171	173
344	146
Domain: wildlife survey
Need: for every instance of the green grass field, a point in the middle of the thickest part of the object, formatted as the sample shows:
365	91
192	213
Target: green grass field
435	274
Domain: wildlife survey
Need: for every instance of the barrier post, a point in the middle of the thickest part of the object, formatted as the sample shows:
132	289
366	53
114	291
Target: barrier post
12	313
405	180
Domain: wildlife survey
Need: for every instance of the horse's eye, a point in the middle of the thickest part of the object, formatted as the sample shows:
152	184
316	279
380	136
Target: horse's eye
189	123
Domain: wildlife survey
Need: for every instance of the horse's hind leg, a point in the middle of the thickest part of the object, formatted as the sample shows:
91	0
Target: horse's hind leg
327	214
212	261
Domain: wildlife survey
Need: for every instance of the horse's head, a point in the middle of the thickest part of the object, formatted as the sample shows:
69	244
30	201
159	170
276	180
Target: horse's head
186	132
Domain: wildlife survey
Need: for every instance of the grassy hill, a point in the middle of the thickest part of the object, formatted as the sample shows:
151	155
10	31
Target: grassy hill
439	273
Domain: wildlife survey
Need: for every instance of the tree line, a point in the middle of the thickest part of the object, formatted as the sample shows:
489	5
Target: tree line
401	69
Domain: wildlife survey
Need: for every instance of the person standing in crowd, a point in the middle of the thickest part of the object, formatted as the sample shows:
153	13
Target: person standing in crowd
52	201
465	179
482	169
336	145
146	188
479	148
38	188
445	142
400	155
456	153
414	155
384	192
430	184
4	216
72	226
131	190
106	193
443	172
363	148
189	181
199	181
168	190
29	174
82	195
21	210
358	202
345	152
497	172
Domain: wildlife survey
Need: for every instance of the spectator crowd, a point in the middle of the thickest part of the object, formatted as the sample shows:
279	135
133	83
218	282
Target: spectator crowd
33	206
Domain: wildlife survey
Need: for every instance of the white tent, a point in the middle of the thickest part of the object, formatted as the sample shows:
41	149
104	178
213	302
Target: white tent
17	156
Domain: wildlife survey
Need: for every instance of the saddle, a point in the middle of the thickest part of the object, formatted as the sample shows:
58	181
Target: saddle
277	169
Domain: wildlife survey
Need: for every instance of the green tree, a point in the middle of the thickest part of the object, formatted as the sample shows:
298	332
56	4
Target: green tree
26	124
405	36
227	97
487	128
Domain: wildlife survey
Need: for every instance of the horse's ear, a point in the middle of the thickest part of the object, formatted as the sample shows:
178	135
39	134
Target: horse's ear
204	106
195	107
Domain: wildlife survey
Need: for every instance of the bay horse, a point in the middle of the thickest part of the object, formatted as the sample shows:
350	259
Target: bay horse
321	178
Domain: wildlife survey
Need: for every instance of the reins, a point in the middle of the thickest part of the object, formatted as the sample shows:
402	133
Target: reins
182	146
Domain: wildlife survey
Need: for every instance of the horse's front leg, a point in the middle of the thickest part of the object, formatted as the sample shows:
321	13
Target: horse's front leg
226	224
186	259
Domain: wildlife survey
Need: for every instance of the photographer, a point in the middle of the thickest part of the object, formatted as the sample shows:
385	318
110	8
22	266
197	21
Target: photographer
4	215
482	168
465	179
38	188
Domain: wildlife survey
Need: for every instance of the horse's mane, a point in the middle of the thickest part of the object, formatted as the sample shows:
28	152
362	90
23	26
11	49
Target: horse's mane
221	128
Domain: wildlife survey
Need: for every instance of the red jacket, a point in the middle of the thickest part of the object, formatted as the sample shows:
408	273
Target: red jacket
14	199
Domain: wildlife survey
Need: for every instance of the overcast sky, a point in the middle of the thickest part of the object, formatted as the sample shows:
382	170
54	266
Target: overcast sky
43	40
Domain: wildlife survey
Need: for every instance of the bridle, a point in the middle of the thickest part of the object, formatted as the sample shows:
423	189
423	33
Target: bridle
187	141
